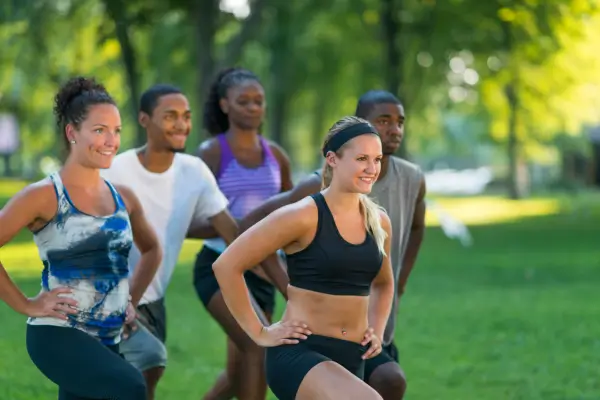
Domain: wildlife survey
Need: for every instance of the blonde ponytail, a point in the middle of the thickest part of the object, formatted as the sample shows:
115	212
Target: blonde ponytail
372	214
370	210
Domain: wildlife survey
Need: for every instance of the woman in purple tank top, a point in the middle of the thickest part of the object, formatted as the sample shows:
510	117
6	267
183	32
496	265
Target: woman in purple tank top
249	170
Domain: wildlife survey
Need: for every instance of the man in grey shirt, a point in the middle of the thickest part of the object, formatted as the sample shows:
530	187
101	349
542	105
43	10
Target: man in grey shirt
400	190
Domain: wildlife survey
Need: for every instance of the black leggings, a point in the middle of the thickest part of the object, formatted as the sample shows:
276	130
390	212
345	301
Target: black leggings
81	366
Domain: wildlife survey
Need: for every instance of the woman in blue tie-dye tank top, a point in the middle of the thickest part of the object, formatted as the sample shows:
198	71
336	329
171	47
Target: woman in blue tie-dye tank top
249	170
84	228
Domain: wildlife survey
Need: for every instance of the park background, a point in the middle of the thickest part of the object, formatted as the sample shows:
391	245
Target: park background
503	112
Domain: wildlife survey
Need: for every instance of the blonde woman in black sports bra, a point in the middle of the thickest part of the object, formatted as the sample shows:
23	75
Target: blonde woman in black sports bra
341	284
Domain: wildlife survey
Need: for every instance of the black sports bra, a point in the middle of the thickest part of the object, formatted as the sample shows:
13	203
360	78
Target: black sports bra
330	264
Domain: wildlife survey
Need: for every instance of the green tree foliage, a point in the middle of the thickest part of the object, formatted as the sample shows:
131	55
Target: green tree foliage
524	71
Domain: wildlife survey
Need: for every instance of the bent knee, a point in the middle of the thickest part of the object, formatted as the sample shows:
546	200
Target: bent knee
138	390
144	351
132	387
389	380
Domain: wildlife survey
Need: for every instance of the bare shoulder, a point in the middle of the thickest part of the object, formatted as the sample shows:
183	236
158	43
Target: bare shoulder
208	147
44	186
35	202
128	195
40	192
302	213
386	223
209	151
278	151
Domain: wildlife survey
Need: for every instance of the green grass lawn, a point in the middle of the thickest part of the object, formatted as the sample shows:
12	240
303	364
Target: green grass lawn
513	317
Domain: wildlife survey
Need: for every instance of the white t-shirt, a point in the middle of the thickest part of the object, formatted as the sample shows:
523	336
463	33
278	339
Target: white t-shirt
171	200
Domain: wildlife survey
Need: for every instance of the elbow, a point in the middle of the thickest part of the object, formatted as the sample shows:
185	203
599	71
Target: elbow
218	268
155	253
384	288
158	252
226	271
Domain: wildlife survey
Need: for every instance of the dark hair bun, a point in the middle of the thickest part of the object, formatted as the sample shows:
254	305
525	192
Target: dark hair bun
71	90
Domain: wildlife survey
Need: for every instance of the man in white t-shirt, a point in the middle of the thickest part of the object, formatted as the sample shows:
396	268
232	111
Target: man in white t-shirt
175	190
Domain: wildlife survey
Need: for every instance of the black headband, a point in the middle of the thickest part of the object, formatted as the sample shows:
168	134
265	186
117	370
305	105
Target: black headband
347	134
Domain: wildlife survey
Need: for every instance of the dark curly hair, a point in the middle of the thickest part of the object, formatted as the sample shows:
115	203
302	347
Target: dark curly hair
73	100
215	120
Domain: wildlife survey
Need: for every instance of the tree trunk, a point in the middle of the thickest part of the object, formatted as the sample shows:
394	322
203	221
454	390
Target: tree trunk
517	169
390	13
7	170
205	18
595	164
128	56
280	88
391	29
206	14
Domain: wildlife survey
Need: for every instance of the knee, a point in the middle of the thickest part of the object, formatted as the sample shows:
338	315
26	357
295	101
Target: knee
152	376
389	381
135	388
397	381
397	386
139	390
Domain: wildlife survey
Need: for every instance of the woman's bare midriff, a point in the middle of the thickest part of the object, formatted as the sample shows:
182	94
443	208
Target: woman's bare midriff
341	317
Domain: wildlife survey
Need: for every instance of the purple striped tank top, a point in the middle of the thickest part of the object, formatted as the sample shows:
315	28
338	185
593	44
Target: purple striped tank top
245	188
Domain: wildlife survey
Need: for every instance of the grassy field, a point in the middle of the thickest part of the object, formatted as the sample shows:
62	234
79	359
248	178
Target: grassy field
515	316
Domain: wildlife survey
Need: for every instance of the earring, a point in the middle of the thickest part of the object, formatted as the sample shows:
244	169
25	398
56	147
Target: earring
72	141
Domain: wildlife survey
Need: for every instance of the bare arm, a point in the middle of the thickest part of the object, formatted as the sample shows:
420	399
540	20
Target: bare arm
284	165
33	206
417	231
202	230
146	241
278	230
382	288
306	187
227	228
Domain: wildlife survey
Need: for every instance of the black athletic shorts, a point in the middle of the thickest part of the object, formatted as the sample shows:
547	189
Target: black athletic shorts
287	365
388	354
206	284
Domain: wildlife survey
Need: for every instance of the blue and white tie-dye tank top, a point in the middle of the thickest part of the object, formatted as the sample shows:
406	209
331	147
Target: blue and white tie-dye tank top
87	254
